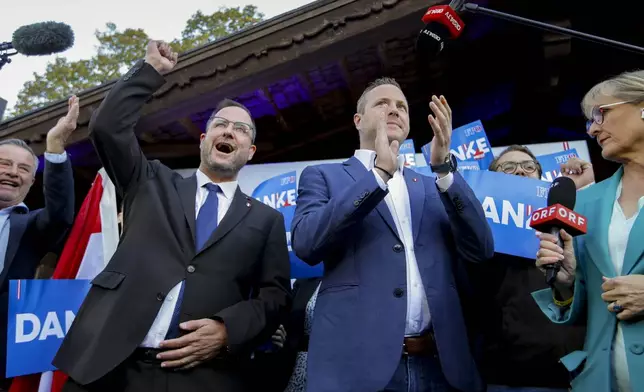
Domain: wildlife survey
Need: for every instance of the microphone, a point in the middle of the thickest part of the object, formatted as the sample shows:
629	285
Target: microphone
441	24
559	215
40	39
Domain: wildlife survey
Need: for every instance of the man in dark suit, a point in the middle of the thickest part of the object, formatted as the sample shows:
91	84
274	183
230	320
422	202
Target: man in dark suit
388	314
201	275
26	236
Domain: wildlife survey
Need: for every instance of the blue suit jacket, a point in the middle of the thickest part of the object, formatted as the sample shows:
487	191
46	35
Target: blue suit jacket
593	262
33	234
360	315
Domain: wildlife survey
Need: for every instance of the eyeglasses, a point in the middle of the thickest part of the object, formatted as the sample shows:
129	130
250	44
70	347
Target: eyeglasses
238	127
598	113
510	167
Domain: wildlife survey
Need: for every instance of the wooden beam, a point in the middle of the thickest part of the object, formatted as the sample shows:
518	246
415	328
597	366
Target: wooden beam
381	50
346	76
278	114
306	82
191	128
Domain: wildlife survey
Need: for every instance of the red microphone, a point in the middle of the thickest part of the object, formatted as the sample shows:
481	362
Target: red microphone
446	16
559	215
441	23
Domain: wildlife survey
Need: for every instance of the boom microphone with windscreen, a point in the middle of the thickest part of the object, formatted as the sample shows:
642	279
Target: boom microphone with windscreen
40	39
559	215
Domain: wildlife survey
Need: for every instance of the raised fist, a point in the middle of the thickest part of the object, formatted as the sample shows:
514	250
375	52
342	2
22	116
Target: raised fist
160	56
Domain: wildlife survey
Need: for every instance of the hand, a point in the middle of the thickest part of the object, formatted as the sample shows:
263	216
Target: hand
205	342
160	56
625	296
549	253
441	123
581	172
57	136
279	337
386	153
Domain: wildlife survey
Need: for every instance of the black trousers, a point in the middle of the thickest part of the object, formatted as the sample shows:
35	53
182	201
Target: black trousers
140	374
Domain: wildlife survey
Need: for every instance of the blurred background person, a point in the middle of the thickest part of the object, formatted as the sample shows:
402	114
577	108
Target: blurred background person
602	274
283	367
521	348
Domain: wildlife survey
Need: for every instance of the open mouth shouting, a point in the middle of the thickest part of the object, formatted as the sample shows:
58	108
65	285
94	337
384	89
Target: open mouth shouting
225	148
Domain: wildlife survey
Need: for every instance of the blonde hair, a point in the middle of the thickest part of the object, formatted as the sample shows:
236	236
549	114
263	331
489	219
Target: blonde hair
628	86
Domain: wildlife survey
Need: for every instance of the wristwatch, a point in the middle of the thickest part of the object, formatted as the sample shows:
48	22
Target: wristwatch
449	166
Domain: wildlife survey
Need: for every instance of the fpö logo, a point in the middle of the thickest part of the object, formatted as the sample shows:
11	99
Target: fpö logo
29	327
473	130
565	157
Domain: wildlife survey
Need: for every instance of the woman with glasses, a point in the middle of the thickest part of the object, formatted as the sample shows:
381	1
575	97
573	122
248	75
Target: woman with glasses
521	348
602	274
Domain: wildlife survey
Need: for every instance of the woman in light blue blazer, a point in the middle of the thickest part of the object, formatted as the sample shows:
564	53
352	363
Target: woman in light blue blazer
602	274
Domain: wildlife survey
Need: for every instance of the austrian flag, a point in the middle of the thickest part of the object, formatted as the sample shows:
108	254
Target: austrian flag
91	243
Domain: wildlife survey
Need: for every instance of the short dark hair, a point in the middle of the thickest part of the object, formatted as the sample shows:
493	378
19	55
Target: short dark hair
494	165
362	101
226	103
21	144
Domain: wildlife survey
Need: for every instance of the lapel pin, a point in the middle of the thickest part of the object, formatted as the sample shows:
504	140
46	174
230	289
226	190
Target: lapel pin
414	179
247	204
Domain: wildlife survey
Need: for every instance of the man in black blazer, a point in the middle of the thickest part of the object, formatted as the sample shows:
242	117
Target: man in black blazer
201	275
26	236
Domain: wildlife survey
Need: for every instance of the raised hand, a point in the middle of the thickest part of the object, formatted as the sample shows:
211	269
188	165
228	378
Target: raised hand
160	56
58	135
441	123
386	153
581	172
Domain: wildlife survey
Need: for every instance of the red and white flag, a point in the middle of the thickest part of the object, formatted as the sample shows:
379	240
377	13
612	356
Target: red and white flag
91	243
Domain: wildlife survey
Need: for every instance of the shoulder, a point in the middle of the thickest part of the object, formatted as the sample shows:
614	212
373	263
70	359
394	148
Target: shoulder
322	168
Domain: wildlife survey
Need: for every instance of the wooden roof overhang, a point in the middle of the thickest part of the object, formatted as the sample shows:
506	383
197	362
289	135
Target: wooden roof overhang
321	33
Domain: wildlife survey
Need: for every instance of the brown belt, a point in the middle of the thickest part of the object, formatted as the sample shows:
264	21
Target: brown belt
424	345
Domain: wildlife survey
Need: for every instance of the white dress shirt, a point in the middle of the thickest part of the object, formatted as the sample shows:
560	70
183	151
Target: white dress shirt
618	232
161	323
418	315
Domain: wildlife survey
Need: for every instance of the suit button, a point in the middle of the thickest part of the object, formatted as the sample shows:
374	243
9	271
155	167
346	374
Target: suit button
356	203
160	297
398	292
637	349
191	268
398	248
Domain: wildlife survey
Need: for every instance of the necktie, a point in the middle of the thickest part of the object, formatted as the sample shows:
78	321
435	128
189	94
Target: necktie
206	225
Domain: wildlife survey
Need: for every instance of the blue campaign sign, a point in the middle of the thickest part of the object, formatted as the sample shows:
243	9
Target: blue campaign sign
550	164
40	314
508	201
408	150
280	193
470	146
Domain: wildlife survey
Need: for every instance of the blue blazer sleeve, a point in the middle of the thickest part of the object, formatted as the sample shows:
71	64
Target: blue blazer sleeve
57	217
321	222
570	314
472	233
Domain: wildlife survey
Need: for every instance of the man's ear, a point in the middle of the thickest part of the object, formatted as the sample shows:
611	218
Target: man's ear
251	152
357	120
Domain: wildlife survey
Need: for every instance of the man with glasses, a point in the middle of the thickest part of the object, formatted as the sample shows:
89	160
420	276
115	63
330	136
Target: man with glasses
201	275
521	349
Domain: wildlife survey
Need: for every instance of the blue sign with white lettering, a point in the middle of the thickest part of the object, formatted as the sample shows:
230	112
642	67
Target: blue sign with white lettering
470	146
40	314
280	193
408	150
508	202
551	163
